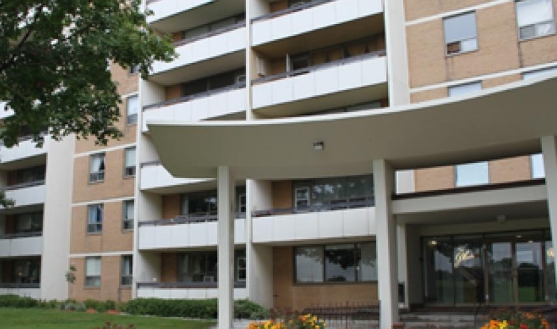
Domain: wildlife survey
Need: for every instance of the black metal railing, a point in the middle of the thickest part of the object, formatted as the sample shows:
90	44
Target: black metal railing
347	316
209	34
290	10
340	204
207	93
20	285
23	185
188	219
378	53
186	284
21	235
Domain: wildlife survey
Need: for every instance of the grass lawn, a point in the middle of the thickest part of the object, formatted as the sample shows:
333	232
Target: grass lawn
33	318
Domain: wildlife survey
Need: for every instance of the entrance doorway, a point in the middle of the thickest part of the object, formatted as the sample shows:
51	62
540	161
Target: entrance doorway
495	269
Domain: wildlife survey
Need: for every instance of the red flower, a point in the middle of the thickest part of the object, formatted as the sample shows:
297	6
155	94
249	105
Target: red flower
523	326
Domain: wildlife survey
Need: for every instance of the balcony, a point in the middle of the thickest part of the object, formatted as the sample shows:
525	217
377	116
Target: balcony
185	232
25	150
329	85
21	244
212	53
212	104
32	290
154	177
344	219
186	290
316	15
163	9
27	194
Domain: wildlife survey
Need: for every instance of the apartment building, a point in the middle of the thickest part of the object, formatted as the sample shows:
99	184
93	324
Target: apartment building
399	153
366	151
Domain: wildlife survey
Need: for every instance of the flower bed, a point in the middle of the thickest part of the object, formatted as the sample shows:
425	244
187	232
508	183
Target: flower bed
515	319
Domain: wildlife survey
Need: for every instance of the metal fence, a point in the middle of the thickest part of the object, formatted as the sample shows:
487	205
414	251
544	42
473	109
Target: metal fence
347	316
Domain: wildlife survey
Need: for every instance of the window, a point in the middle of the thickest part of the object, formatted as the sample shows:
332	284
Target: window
29	223
534	18
336	263
472	174
28	175
27	271
127	222
96	168
539	73
332	191
538	169
127	271
132	104
95	218
201	266
134	69
298	3
202	30
241	268
465	89
92	272
205	202
220	81
129	162
242	203
460	33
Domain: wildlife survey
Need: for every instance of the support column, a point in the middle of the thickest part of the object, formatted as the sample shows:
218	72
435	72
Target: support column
402	262
549	150
383	177
225	226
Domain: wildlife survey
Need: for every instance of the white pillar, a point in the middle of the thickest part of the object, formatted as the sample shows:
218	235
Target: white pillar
225	225
383	177
402	261
549	150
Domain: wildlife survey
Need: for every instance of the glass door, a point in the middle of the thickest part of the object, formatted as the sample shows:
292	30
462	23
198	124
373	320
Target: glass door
500	273
529	271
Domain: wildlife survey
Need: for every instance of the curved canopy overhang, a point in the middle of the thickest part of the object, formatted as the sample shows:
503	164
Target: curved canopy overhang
494	123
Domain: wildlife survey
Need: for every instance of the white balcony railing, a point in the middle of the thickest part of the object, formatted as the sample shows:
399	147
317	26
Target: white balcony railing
328	79
166	8
190	234
343	223
22	246
186	293
217	103
22	292
155	176
204	49
292	22
25	149
27	194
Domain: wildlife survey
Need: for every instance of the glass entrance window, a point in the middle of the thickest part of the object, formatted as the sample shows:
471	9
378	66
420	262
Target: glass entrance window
501	289
468	269
438	262
550	269
529	271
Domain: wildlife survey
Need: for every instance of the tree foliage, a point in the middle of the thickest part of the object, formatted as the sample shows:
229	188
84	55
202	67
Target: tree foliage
54	69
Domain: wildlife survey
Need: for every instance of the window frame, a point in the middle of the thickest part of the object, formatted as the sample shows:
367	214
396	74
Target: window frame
357	251
129	171
125	219
296	199
126	279
97	176
98	224
88	277
534	25
131	119
460	41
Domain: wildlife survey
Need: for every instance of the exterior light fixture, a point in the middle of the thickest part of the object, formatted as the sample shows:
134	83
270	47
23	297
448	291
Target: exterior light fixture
319	145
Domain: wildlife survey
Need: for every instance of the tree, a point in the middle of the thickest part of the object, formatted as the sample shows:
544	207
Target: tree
54	71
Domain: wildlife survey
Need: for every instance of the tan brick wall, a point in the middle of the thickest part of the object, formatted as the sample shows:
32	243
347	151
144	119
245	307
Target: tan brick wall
296	297
431	179
540	50
114	184
497	48
428	95
169	267
127	84
279	5
112	238
173	92
509	170
415	9
282	194
171	206
110	281
489	83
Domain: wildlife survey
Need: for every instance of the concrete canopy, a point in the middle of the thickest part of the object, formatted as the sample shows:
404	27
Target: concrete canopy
494	123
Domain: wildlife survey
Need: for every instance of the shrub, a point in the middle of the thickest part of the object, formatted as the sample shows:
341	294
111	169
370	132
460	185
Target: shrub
17	301
49	304
246	309
70	305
